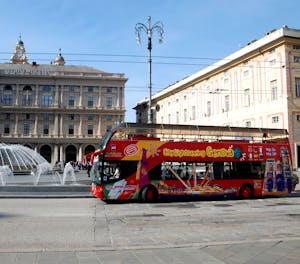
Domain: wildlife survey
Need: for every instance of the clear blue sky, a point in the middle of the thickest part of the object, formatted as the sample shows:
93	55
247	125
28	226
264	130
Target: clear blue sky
207	30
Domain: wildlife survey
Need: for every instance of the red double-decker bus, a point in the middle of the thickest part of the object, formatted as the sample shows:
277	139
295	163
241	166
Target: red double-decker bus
148	162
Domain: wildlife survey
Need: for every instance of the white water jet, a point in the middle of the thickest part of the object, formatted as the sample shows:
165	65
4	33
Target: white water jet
4	173
41	169
69	171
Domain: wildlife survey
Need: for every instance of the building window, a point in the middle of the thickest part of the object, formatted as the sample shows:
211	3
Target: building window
90	89
27	116
273	90
71	116
46	116
109	100
272	62
90	130
108	89
271	51
7	88
72	88
47	88
226	109
185	115
27	100
46	100
246	73
247	97
71	101
297	84
90	117
90	101
6	128
109	117
248	124
298	118
7	116
297	59
193	112
296	47
26	129
46	129
275	119
208	108
7	99
71	129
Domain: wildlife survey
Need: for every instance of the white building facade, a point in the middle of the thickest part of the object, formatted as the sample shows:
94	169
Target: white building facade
60	111
257	86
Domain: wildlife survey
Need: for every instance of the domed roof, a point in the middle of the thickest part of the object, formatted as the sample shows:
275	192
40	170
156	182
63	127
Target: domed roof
19	54
59	60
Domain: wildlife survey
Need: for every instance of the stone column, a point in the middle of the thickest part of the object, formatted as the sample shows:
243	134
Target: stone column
79	154
55	129
16	103
16	124
36	103
35	131
99	98
56	96
55	154
61	154
80	95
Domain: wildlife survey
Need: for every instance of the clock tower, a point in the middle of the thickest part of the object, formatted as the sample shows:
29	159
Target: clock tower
19	56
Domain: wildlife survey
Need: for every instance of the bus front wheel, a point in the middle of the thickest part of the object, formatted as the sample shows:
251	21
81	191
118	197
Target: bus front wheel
149	194
246	191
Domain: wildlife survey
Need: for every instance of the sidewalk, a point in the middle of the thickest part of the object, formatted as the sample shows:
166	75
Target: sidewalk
47	188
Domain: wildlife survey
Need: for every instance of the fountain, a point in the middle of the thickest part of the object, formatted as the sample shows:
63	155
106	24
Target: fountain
24	172
21	165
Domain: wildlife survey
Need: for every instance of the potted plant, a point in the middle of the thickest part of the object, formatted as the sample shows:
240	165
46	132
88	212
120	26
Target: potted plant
295	181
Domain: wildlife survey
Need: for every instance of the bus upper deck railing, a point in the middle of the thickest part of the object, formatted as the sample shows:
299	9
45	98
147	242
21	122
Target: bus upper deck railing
199	133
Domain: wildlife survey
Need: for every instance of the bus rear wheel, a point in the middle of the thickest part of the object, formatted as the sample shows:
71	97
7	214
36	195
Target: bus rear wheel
149	194
246	191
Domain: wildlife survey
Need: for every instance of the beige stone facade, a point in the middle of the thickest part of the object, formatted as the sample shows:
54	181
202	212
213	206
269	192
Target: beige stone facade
60	111
257	86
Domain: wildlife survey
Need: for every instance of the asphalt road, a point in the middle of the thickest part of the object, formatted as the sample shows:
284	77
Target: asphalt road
87	230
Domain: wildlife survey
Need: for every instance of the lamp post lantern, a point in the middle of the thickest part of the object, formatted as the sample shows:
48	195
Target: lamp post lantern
149	30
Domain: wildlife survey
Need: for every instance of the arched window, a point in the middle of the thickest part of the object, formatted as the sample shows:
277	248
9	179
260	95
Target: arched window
27	88
7	95
27	99
7	88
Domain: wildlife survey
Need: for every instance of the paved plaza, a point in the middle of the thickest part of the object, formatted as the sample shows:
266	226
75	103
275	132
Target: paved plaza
87	230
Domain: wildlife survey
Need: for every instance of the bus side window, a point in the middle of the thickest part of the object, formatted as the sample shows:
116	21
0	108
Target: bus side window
155	173
218	170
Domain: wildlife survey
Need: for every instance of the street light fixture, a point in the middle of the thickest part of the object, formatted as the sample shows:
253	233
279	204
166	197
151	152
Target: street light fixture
159	28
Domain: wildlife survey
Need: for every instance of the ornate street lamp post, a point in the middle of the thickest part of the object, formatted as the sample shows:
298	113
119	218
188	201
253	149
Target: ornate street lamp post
158	27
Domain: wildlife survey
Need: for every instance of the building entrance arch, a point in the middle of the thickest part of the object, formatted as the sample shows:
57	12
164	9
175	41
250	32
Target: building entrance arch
71	153
46	151
89	149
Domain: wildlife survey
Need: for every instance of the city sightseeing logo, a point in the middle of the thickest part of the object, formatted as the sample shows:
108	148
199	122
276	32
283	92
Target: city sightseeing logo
131	150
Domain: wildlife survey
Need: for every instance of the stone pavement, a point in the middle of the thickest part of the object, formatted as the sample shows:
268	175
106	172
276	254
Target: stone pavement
220	253
87	230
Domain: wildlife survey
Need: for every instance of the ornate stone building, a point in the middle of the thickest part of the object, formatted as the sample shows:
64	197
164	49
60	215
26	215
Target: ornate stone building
60	111
256	86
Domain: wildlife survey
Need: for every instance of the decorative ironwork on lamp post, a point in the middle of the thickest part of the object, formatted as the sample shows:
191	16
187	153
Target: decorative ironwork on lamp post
158	27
